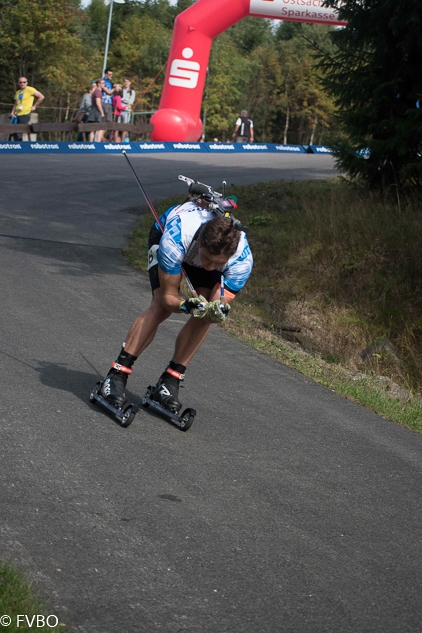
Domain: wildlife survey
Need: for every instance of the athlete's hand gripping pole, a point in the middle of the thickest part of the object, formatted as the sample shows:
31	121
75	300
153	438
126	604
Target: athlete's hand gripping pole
157	218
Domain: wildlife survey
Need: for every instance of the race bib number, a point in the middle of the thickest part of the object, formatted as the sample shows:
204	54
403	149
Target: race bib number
152	256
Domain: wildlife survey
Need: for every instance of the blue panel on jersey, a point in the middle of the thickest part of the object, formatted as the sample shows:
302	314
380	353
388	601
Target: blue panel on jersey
174	229
171	252
245	253
163	217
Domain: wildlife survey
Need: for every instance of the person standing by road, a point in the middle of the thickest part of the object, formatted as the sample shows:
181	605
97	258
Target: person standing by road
128	100
24	103
108	92
243	130
86	104
118	111
96	114
84	109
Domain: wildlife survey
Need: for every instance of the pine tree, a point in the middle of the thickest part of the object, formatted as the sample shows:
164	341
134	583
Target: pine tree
375	78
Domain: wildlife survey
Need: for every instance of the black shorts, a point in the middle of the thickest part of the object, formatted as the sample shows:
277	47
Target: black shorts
199	277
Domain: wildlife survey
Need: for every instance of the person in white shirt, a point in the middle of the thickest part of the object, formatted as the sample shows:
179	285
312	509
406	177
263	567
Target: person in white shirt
128	99
243	131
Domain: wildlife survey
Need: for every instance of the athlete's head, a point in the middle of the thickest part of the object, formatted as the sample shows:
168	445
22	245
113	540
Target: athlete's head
218	242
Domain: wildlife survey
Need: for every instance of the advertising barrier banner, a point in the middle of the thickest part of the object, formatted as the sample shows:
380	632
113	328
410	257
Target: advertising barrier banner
320	149
44	147
187	147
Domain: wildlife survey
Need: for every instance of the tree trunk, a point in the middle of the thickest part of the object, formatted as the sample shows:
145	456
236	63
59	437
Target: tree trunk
66	116
311	140
286	127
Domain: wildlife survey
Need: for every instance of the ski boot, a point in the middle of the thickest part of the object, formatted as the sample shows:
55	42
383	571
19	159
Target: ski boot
113	387
163	398
110	392
167	390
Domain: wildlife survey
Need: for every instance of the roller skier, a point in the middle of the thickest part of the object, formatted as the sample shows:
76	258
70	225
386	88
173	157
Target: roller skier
202	241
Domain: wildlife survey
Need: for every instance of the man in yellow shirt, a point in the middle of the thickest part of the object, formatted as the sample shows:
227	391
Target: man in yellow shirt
24	102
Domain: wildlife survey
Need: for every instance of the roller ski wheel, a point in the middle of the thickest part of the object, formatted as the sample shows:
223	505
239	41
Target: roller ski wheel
129	413
183	421
124	414
187	419
94	393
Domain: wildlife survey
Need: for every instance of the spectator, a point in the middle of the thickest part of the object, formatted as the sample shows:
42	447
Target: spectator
24	103
128	99
118	105
243	130
108	91
96	114
84	108
86	103
118	110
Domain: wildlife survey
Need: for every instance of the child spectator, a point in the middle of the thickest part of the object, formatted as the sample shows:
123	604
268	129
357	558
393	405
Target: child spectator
118	109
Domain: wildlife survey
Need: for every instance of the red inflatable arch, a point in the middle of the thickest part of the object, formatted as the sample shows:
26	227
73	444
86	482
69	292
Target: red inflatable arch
178	115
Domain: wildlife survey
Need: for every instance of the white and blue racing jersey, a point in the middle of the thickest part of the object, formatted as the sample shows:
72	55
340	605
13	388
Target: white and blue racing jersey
180	226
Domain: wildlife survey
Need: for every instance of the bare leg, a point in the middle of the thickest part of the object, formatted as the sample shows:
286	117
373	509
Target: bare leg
193	333
190	339
139	337
145	327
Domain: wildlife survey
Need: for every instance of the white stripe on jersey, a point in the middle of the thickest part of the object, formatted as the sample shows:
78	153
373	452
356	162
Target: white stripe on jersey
180	228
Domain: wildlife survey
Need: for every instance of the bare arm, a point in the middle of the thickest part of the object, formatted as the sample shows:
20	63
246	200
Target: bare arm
40	97
169	286
99	103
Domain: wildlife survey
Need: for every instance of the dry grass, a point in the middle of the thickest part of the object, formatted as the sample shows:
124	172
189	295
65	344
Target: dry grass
345	268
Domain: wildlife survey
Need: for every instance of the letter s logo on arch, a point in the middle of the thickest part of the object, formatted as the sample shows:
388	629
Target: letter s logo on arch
184	73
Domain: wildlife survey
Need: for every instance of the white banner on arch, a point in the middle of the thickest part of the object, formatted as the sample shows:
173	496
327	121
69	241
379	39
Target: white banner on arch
298	10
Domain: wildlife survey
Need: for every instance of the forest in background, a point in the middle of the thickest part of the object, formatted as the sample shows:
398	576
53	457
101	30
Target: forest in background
267	67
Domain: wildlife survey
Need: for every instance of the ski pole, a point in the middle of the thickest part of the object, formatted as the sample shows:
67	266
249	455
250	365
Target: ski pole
157	219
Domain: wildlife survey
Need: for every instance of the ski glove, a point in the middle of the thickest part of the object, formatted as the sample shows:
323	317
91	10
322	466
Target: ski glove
215	311
193	303
199	308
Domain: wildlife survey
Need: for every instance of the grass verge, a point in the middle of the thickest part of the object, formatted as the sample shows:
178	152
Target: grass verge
21	607
338	273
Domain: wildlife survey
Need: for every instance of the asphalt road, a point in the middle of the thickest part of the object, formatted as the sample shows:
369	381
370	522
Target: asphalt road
285	508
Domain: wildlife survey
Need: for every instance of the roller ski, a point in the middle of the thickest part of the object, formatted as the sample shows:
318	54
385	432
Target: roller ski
110	392
163	399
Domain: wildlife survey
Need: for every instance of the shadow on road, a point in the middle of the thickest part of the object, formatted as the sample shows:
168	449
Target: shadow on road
74	260
79	383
